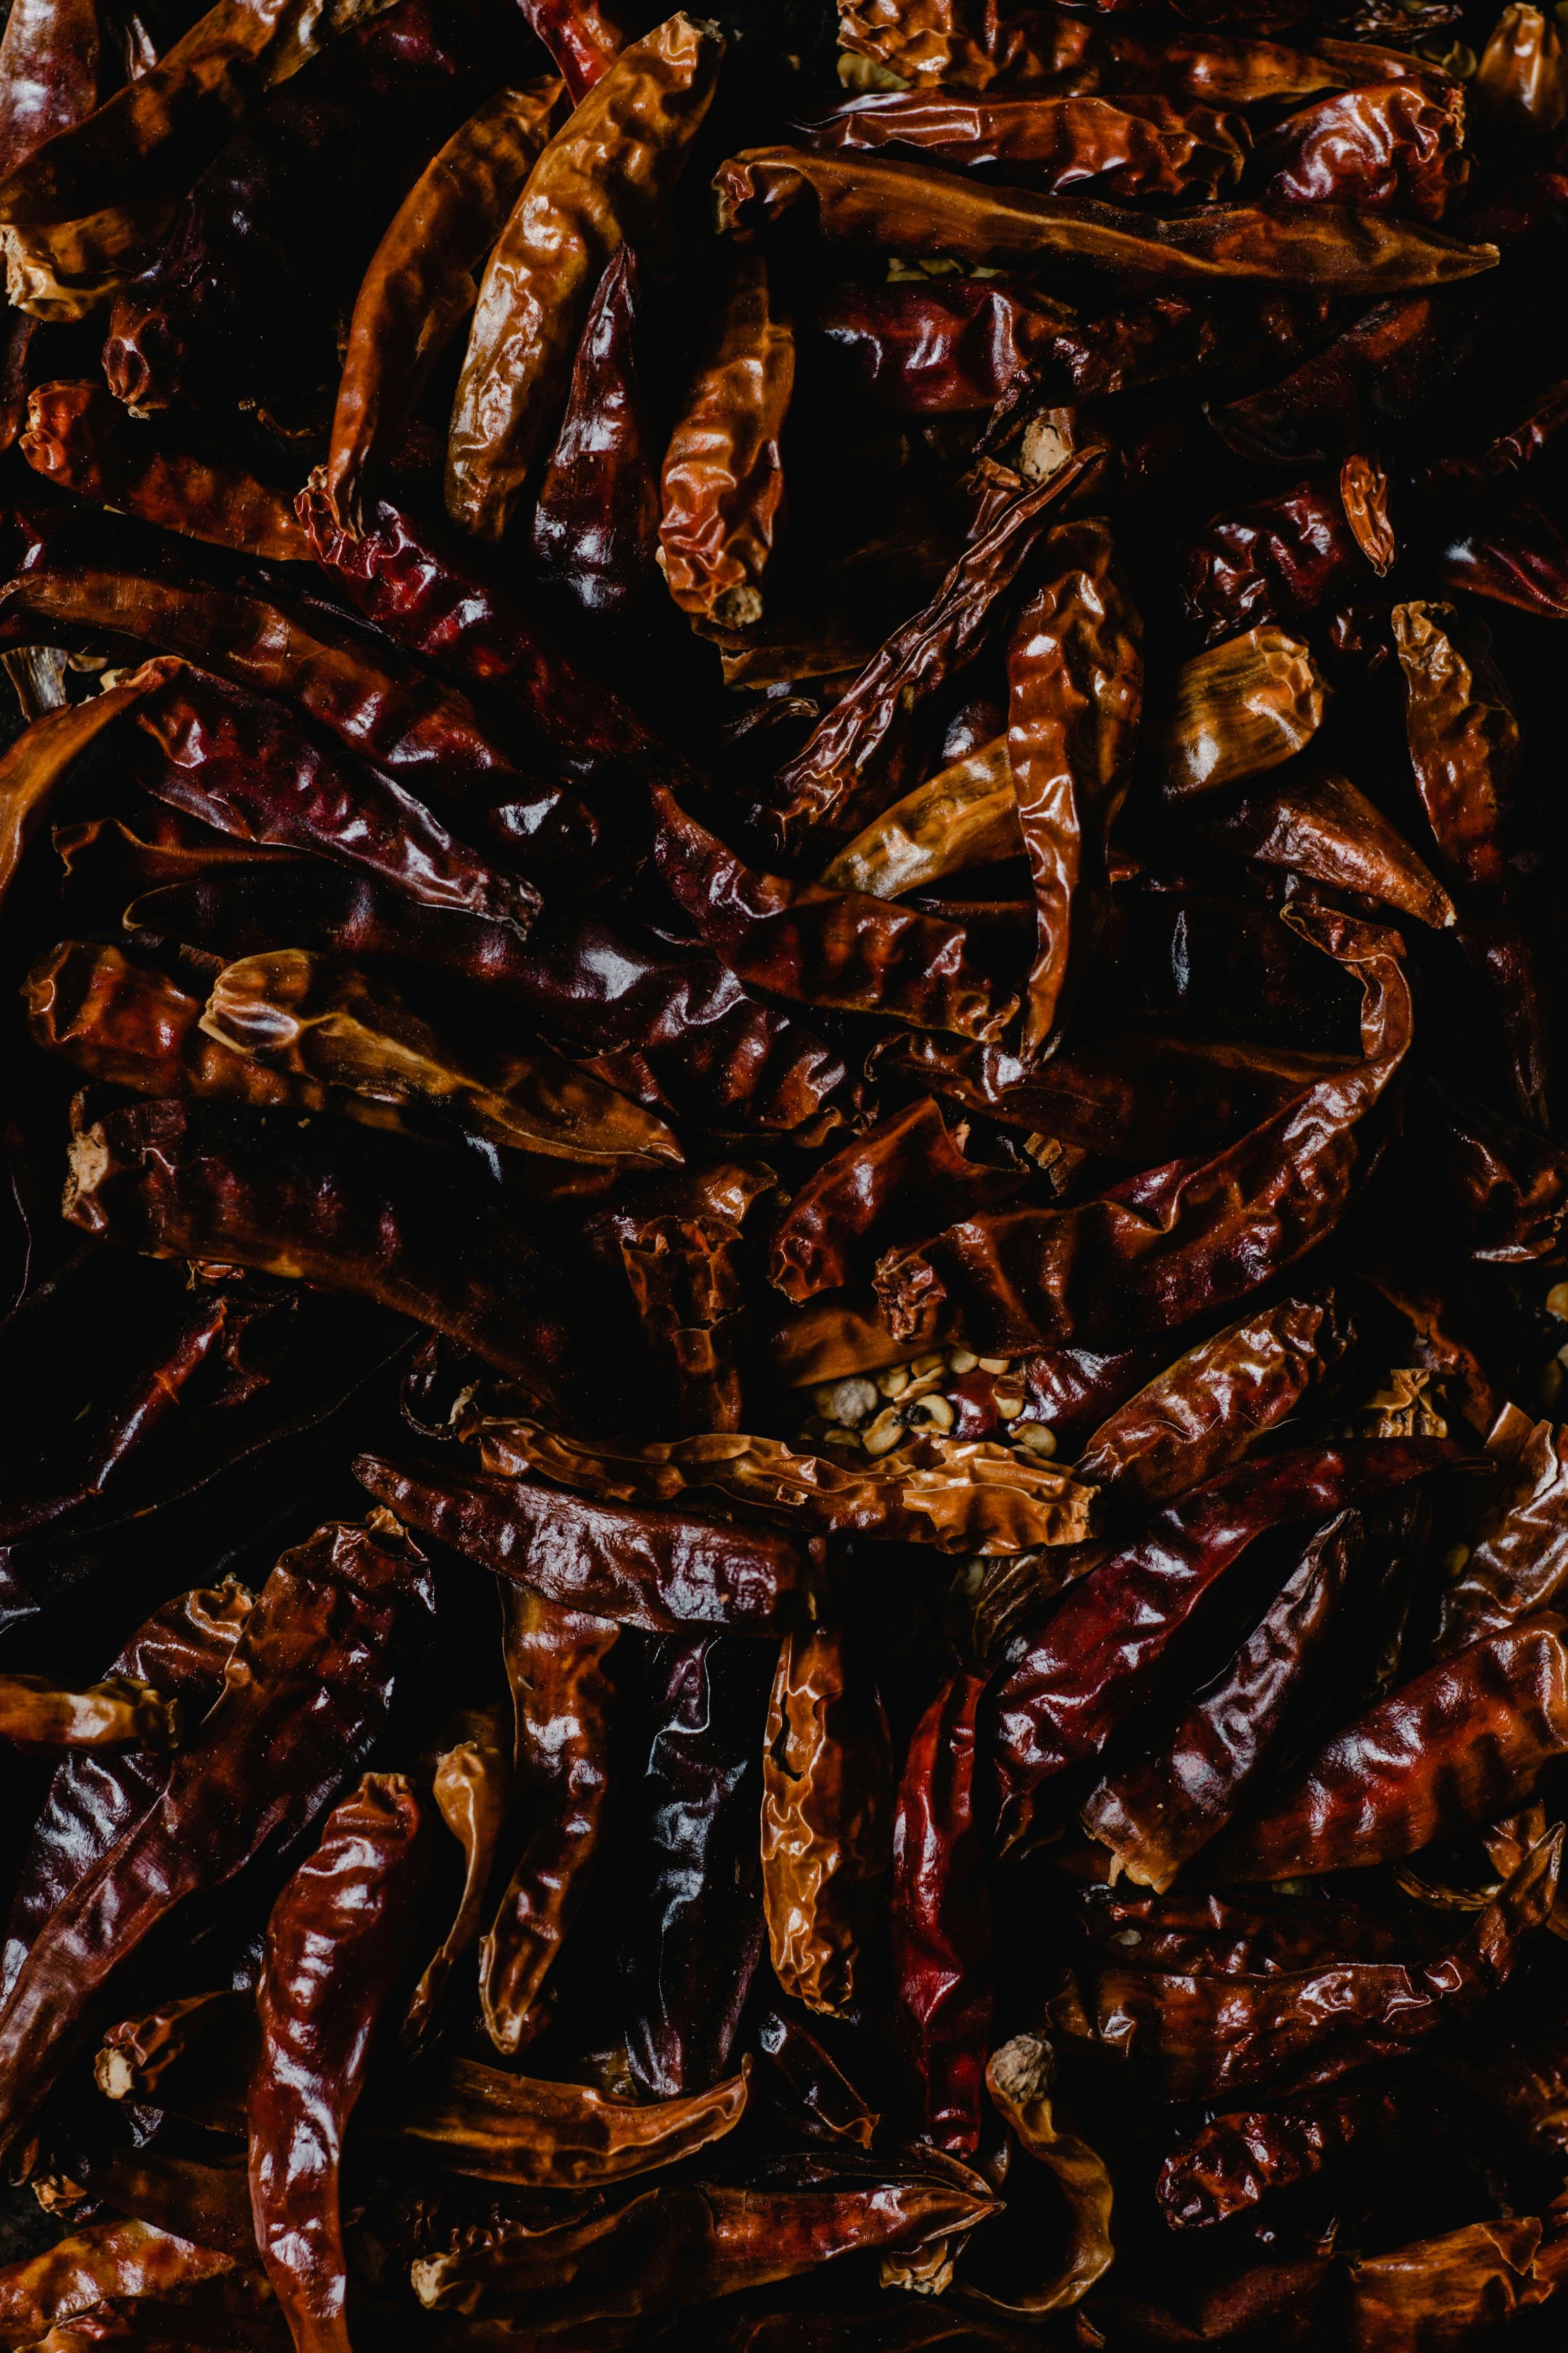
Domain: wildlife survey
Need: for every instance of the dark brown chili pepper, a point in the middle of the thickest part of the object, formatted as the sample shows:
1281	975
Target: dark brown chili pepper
942	1917
642	1569
605	175
942	348
1519	85
47	751
826	1803
305	1693
1464	1742
1121	148
1189	1237
1517	1559
685	1276
1275	560
117	1021
1461	2284
1314	821
1020	2078
1201	1413
1373	376
722	481
1393	146
694	1919
595	520
822	2102
1513	555
340	1936
1103	1649
154	2056
915	210
1075	692
802	941
1227	2166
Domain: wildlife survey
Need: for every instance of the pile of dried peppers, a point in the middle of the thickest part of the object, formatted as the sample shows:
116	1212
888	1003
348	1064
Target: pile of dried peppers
784	1536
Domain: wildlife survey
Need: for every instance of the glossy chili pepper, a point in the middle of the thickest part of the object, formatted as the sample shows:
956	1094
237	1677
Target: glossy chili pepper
1512	554
1502	1187
1103	1650
114	1713
1275	560
1462	2282
905	1178
821	2101
945	347
1207	2037
642	1569
694	1934
1519	85
582	41
856	761
472	1789
47	751
117	1021
915	210
606	173
1392	145
209	2205
959	1496
1227	2166
77	436
340	1936
305	1695
421	285
1189	1237
1463	1742
93	1799
1157	1813
826	1804
1242	707
595	520
723	479
412	1232
942	1917
59	63
1373	376
158	2055
689	2242
1517	1559
685	1276
1075	679
87	2267
244	296
1260	1934
539	2135
1020	2078
799	939
1204	1410
1311	821
1118	148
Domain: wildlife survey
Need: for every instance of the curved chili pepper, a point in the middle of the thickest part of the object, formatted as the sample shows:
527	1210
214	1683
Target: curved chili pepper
1207	1408
606	173
694	1926
420	284
916	211
136	1028
1075	691
1463	2282
45	753
368	1215
182	1650
642	1569
471	1786
722	480
565	1711
856	762
959	1496
340	1936
517	2129
1207	2036
1227	2165
945	347
1126	147
1191	1235
1391	145
304	1696
966	815
1276	560
942	1917
822	2102
826	1800
582	40
1155	1814
87	2267
1020	2078
903	1177
595	520
1517	1561
1314	821
111	1714
1513	555
1373	375
1103	1649
823	947
77	436
156	2056
57	67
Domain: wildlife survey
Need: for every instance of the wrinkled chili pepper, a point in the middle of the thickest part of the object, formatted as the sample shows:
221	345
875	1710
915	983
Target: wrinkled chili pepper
1020	2077
521	2129
1230	2163
1242	707
695	1935
1518	1555
596	519
606	173
109	1714
471	1786
1274	560
582	40
338	1937
87	2267
942	1916
1393	146
1373	376
941	347
685	1277
1314	821
1121	148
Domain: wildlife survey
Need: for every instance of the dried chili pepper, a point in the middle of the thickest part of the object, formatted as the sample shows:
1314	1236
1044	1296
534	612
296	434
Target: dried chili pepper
77	436
1274	560
517	2129
1518	1555
420	285
1519	84
606	173
134	1028
1314	821
338	1937
915	210
1196	1417
942	1916
596	519
822	2102
695	1938
685	1277
1103	1649
564	1711
1465	2280
580	37
109	1714
47	750
722	481
941	347
1243	706
1391	145
111	2259
471	1786
826	1800
1372	376
1075	679
1020	2077
966	815
1123	147
305	1693
642	1569
1228	2164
